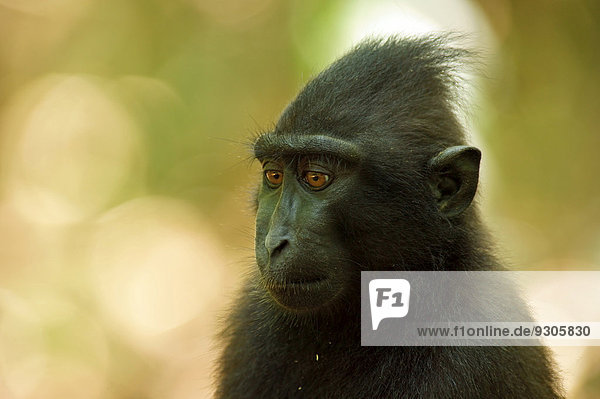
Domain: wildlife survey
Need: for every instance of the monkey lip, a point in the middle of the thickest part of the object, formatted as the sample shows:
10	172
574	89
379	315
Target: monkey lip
301	294
295	283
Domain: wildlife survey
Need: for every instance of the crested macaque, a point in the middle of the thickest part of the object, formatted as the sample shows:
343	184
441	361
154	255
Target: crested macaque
367	169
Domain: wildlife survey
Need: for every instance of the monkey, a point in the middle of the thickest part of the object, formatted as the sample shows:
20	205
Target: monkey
368	168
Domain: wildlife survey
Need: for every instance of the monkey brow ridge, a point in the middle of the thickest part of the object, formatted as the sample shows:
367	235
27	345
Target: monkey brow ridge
272	145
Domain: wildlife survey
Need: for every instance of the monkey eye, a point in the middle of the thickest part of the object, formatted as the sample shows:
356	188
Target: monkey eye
316	180
274	177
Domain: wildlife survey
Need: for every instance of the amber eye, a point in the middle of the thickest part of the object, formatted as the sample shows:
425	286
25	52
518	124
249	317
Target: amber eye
316	179
274	177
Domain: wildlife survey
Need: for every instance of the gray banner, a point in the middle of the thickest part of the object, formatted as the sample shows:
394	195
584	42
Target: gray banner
473	308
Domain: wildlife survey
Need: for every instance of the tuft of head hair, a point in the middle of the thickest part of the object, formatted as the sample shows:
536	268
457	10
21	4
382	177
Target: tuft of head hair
407	85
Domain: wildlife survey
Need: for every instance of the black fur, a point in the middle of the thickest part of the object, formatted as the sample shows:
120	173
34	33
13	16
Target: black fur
395	101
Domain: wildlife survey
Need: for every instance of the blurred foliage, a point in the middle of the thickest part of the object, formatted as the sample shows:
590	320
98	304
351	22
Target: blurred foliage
542	123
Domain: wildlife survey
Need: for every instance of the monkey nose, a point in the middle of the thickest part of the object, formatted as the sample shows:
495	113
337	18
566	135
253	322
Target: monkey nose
275	245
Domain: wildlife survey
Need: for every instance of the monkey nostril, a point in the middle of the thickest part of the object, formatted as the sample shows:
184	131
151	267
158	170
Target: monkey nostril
277	249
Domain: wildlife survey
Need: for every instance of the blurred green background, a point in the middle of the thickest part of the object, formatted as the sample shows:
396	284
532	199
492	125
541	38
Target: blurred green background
125	220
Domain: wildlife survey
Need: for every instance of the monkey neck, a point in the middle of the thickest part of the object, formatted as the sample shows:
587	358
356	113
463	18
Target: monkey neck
464	246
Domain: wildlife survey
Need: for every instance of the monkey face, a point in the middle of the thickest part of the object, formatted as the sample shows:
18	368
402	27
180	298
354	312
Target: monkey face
300	252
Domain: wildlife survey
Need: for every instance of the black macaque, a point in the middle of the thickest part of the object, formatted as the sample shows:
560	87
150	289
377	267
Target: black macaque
367	169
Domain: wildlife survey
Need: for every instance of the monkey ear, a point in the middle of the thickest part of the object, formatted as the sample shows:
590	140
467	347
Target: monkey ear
454	174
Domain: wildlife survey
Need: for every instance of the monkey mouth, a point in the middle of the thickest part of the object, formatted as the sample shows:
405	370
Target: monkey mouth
300	293
294	283
306	281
